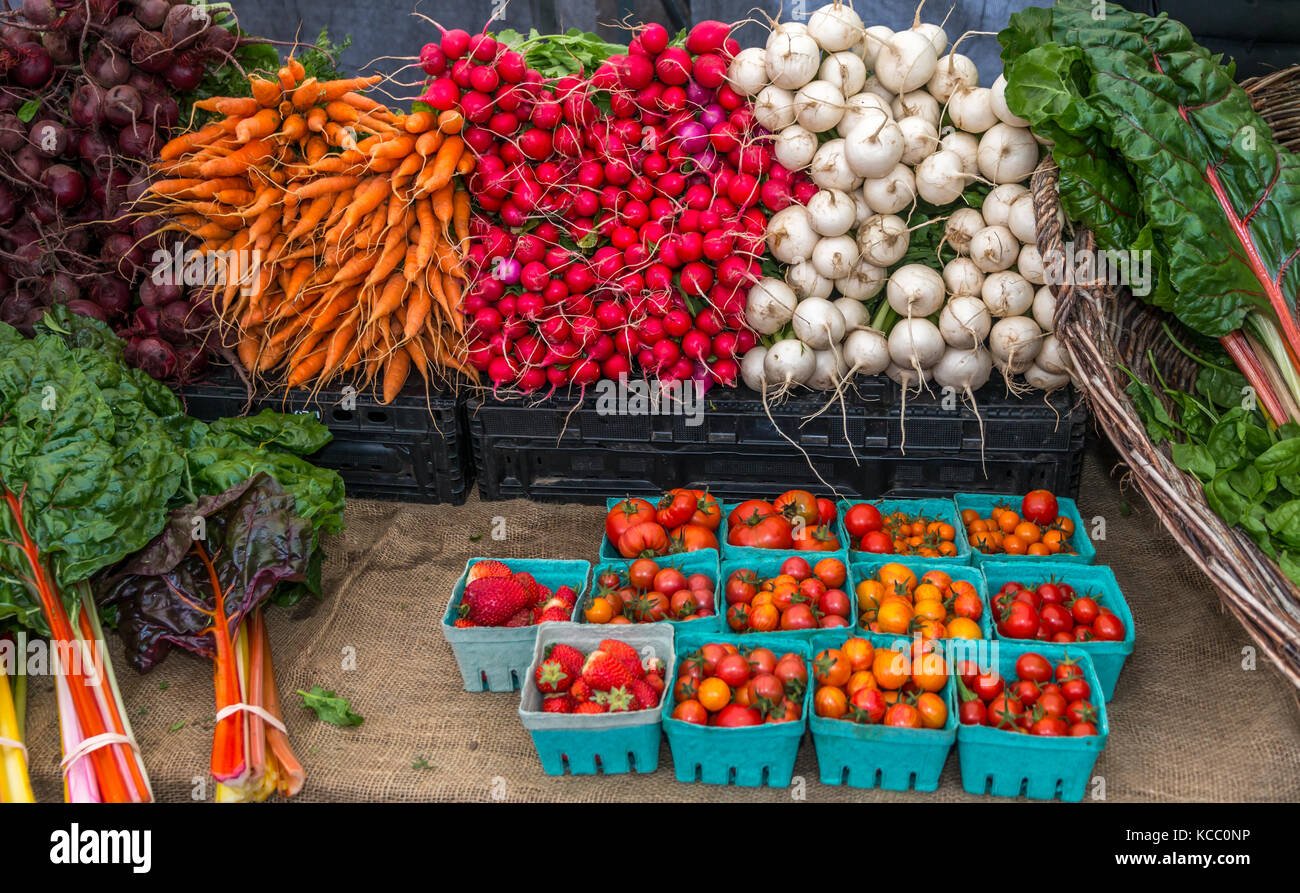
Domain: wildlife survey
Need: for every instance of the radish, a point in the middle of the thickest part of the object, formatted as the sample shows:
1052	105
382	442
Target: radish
964	322
915	290
961	227
774	108
962	277
906	62
940	178
1030	265
1020	219
866	351
752	368
846	71
891	193
818	106
832	212
883	240
994	248
1007	294
794	147
1044	309
919	104
806	282
830	167
818	323
874	39
1041	379
747	73
769	305
874	146
970	109
854	312
920	139
998	99
835	27
951	73
1007	154
966	146
858	109
834	256
792	57
997	204
864	281
790	235
1014	343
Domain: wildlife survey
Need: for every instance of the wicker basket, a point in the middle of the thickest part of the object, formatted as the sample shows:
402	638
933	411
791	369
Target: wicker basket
1103	327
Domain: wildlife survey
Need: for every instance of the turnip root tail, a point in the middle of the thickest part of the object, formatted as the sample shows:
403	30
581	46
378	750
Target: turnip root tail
796	445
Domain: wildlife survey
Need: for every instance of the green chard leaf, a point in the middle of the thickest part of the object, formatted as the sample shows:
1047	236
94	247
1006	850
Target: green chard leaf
329	707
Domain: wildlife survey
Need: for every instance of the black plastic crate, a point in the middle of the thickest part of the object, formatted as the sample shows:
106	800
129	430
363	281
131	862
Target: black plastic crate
416	449
550	451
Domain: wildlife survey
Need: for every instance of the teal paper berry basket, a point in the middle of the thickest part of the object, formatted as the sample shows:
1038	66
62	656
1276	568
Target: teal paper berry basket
866	568
767	563
495	658
609	550
858	755
1010	764
985	503
934	509
704	561
602	743
1087	579
750	756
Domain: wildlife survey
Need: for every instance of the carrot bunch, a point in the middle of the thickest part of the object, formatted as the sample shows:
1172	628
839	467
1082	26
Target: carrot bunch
339	225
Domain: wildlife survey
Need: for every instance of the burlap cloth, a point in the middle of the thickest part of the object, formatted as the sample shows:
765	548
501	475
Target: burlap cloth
1187	721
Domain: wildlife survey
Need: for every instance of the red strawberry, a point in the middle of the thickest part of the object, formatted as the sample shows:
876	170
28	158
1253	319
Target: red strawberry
487	568
603	671
557	704
655	681
624	654
544	594
644	696
535	614
551	677
491	601
621	699
526	580
567	655
654	665
556	612
463	623
519	618
567	594
580	691
589	707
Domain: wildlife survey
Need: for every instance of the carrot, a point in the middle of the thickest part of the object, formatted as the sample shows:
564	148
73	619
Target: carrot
326	317
339	343
249	344
419	122
442	203
240	106
368	196
357	101
312	216
396	370
356	267
391	256
173	187
306	95
294	127
188	142
264	123
338	89
466	164
390	298
306	369
428	233
314	149
262	225
460	217
295	68
444	164
394	149
342	113
416	311
428	143
409	167
316	118
265	93
287	80
451	121
325	186
209	188
452	289
253	153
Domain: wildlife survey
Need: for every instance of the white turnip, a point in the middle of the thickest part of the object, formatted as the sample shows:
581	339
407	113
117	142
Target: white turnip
920	139
1030	265
769	305
795	147
774	108
883	240
855	313
864	281
998	98
818	106
1053	357
866	351
1007	294
834	256
965	322
806	282
964	370
966	145
960	228
993	248
951	73
879	90
1007	154
845	70
835	27
832	211
790	235
919	104
891	193
788	363
874	146
906	62
1020	219
747	73
962	277
1044	309
874	39
915	290
818	323
858	109
829	370
997	204
940	178
1040	378
792	57
830	167
915	343
752	368
970	109
1014	343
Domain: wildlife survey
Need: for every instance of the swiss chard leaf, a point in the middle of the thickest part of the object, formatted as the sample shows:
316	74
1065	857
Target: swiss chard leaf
329	707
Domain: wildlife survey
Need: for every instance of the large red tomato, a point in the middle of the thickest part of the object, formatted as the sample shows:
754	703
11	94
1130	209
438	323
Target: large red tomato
707	511
862	519
748	508
675	509
626	513
762	532
693	537
794	504
644	540
1040	507
817	539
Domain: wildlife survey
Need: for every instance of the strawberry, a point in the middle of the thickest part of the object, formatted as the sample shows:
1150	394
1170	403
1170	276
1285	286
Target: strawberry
518	619
567	594
555	612
570	657
621	699
603	671
560	703
643	695
551	677
535	614
487	568
463	623
580	691
654	665
491	601
589	707
544	594
655	681
624	654
526	580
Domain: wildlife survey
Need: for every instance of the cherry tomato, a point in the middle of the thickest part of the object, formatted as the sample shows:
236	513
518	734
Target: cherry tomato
1050	726
1039	506
877	542
1108	628
1084	610
972	713
1033	667
1076	689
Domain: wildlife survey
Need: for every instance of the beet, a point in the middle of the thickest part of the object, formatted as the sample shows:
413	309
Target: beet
156	357
94	150
150	53
30	162
63	289
152	13
217	41
192	361
160	110
67	186
8	205
16	305
39	12
122	32
112	294
122	105
43	208
34	68
50	138
156	295
144	320
173	322
108	66
13	133
186	71
86	107
119	251
88	308
137	139
61	47
184	23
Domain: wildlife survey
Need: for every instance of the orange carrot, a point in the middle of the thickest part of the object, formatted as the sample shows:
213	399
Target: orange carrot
451	121
265	93
306	95
416	311
418	122
188	142
460	217
253	153
264	123
325	186
396	370
444	164
340	88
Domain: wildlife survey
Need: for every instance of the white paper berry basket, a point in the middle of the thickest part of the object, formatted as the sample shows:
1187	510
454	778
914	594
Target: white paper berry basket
604	743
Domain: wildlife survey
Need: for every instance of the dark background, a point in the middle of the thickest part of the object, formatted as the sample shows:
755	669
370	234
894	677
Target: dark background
1261	34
